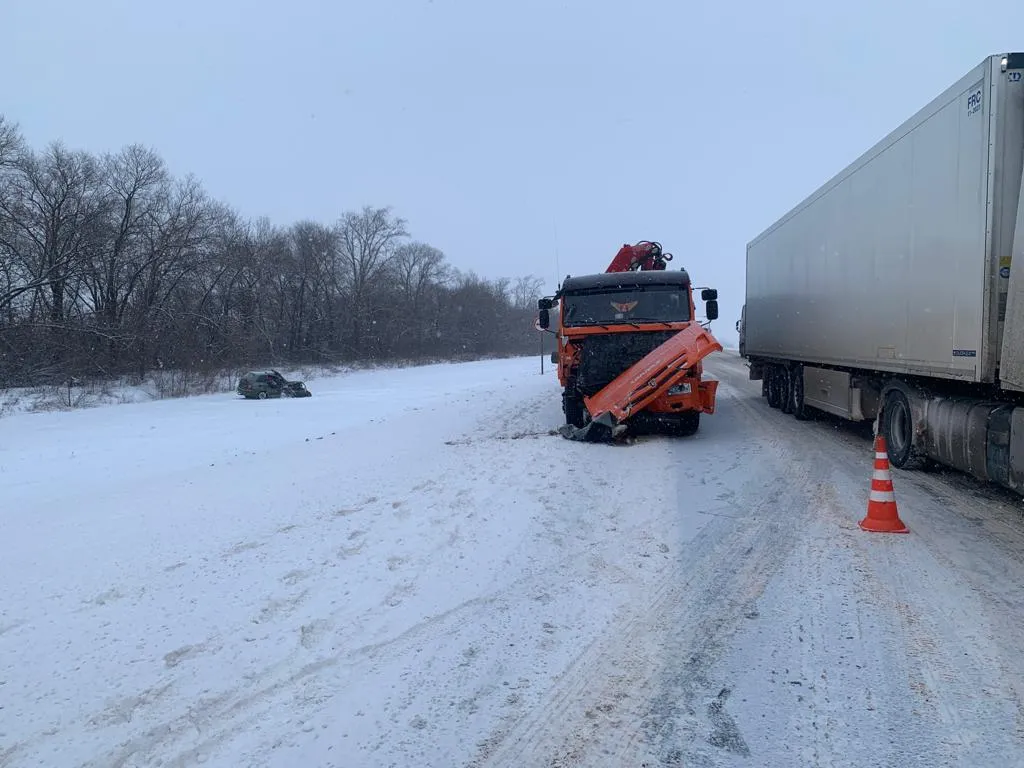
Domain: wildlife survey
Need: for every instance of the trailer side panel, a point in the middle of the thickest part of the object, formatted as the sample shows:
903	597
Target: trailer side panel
887	266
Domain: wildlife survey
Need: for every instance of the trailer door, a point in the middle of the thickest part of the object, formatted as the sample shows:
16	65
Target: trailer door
1011	358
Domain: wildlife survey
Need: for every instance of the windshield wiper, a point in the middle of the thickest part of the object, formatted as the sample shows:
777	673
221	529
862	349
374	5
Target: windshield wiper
646	320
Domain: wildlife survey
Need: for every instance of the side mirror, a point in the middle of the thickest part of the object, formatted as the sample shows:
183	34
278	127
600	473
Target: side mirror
709	294
544	318
545	303
712	310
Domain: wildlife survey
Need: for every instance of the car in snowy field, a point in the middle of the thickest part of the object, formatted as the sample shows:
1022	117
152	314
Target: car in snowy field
263	384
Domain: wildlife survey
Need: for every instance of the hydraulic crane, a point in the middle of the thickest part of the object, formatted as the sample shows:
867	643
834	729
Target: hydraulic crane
644	256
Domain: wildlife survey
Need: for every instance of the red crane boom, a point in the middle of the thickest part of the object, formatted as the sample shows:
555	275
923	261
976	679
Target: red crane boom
645	256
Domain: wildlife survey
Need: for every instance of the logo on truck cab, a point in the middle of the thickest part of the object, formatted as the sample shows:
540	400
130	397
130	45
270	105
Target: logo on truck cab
974	102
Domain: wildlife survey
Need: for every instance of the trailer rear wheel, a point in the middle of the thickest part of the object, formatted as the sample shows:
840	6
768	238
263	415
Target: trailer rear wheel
774	390
898	430
796	389
786	390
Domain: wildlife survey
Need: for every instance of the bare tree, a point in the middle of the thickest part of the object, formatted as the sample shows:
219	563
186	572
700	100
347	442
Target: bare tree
417	268
134	182
166	297
366	244
11	142
315	250
51	212
11	146
526	291
418	265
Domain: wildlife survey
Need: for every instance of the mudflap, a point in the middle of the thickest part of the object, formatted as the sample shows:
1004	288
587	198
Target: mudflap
603	429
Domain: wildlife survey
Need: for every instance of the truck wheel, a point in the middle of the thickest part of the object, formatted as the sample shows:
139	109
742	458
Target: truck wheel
898	430
575	411
262	395
796	389
688	424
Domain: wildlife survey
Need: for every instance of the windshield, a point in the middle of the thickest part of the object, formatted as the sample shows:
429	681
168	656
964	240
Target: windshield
657	304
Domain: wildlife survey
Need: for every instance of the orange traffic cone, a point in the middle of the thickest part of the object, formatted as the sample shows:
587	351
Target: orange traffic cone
883	517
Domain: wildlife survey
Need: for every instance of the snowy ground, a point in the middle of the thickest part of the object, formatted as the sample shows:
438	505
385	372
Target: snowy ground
407	570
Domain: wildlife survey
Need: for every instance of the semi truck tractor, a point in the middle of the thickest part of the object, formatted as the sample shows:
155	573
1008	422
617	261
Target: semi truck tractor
895	292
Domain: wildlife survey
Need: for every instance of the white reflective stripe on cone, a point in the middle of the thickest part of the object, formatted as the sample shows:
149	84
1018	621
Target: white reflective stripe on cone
883	496
881	474
881	455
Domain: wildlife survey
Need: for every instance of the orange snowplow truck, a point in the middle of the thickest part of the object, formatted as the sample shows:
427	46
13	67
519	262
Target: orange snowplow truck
629	347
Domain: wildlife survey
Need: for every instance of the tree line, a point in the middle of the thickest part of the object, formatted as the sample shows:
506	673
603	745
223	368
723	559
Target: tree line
110	265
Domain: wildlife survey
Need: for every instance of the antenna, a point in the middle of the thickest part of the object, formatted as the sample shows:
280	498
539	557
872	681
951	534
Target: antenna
558	269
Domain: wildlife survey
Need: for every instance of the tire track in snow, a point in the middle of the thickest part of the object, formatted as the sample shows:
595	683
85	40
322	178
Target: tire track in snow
216	719
937	608
642	692
960	648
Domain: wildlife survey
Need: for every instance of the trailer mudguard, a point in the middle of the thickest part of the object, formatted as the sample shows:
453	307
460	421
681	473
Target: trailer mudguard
652	376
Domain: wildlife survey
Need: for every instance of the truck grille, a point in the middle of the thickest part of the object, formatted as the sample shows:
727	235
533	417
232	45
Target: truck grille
604	357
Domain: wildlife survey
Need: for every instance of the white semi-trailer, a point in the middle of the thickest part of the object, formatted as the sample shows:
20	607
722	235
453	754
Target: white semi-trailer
898	286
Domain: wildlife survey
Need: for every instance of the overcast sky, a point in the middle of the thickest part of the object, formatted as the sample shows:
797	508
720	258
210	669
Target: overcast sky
504	132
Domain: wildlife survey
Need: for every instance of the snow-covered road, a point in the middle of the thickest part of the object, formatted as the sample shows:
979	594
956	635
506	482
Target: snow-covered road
407	569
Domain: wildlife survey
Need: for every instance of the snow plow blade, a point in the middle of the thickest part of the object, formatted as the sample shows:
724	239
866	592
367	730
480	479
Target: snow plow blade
642	383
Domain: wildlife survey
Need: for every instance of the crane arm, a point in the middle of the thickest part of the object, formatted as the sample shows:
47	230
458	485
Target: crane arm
644	256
